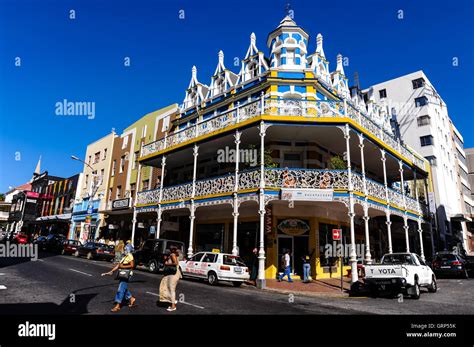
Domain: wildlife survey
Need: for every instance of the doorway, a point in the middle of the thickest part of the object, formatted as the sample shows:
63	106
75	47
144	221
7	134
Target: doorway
298	247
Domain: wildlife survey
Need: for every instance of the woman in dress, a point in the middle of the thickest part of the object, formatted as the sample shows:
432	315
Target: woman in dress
170	280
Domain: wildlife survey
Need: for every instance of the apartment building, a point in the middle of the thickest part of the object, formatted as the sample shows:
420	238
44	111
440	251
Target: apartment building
425	125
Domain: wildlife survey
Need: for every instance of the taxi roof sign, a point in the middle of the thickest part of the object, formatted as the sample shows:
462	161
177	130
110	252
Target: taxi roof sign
216	250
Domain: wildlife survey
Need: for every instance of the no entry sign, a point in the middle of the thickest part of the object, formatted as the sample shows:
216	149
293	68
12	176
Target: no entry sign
336	234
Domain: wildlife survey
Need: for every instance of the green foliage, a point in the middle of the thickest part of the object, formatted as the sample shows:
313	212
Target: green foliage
337	163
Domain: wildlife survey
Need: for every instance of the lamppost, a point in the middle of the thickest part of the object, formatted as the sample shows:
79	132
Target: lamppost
94	188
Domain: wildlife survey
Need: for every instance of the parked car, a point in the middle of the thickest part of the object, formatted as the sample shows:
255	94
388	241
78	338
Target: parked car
215	267
54	243
95	250
151	253
70	246
449	264
20	238
41	242
400	273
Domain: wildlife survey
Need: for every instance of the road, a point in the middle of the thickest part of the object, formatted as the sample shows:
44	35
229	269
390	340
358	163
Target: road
65	284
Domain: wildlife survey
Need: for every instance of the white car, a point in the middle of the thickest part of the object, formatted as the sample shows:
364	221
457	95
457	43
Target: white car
400	272
215	267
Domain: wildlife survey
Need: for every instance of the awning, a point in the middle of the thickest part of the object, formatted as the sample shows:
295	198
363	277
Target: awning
62	217
461	218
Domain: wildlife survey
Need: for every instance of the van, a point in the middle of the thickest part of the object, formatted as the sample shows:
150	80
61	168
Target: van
152	251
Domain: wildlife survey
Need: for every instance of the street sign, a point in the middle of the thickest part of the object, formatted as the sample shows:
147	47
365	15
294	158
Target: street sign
336	234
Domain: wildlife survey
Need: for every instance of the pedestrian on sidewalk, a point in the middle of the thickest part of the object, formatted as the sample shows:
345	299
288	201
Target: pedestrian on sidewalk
307	267
254	267
286	265
170	280
126	265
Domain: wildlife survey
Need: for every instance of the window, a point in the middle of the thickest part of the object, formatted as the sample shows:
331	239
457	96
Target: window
196	257
90	158
210	258
383	93
135	161
96	157
102	174
418	83
146	184
87	180
105	154
125	142
432	160
426	140
144	131
119	192
421	101
292	156
423	120
110	194
132	189
114	163
122	163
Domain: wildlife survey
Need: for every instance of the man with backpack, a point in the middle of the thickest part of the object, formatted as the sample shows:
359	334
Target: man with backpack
285	265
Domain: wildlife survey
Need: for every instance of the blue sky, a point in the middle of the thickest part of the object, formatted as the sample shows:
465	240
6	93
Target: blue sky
83	60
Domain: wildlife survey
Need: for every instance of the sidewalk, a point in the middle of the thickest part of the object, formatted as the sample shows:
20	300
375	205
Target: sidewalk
326	286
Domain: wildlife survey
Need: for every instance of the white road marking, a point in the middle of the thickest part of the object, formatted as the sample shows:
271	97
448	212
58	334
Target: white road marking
81	272
2	274
2	287
179	302
41	260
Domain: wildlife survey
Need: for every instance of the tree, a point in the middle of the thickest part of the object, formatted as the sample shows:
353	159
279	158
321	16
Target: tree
337	163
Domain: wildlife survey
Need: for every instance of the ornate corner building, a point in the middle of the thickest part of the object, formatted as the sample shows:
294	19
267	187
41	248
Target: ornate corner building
277	156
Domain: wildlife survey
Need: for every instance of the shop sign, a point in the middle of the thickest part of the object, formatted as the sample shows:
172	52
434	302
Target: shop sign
31	200
268	219
295	194
336	234
121	204
293	227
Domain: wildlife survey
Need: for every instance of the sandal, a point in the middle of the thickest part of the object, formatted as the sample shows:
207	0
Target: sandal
169	309
115	309
132	302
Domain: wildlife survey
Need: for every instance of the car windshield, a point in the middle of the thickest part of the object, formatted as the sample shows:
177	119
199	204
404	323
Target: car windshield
233	260
405	259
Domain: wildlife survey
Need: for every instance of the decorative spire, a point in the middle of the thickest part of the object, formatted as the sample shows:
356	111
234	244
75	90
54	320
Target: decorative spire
339	67
221	57
253	39
194	72
38	167
319	45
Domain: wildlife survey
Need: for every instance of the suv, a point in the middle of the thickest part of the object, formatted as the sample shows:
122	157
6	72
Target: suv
446	263
152	251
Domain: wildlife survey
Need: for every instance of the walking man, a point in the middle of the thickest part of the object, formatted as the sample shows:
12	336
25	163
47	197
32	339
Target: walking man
285	262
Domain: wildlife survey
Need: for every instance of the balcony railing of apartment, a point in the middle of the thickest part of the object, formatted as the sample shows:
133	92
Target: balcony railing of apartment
277	178
281	107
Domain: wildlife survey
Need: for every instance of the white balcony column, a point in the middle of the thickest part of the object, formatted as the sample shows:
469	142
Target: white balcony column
134	218
420	232
353	255
235	202
387	199
261	252
262	103
193	207
160	197
368	256
405	217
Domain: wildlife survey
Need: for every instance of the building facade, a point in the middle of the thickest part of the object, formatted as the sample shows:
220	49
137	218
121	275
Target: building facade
425	125
470	168
276	156
125	176
86	219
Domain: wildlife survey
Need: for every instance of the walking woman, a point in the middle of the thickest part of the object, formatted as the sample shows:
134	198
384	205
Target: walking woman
170	280
127	263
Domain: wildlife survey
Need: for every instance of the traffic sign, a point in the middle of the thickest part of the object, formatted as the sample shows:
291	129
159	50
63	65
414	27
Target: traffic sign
336	234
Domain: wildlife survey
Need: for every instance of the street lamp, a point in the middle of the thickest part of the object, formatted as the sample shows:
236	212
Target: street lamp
94	187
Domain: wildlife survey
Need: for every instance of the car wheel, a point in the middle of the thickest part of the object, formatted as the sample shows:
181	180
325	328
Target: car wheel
89	256
237	283
417	293
76	254
153	266
212	278
434	286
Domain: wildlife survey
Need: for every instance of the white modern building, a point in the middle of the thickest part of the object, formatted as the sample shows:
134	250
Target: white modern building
425	125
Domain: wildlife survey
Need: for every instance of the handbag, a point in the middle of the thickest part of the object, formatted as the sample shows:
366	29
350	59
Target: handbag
124	275
169	270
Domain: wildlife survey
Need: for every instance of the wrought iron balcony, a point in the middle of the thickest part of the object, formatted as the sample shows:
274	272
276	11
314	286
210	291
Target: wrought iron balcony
276	179
281	107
